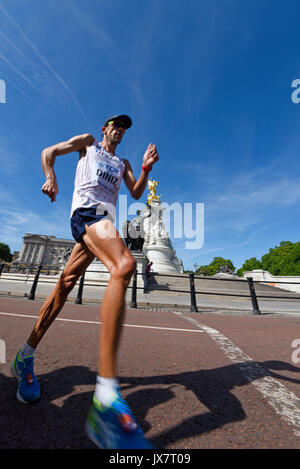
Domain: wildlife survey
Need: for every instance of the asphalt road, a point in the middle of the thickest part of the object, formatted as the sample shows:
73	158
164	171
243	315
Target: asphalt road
194	381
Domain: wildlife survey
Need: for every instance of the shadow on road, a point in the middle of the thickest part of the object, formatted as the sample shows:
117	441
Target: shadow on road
57	419
211	387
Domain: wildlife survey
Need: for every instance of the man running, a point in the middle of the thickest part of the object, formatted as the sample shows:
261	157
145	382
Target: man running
97	182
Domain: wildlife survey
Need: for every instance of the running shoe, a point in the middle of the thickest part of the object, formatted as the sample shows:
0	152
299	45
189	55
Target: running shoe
28	388
114	427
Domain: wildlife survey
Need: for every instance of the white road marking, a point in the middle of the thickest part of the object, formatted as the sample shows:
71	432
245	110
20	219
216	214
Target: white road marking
283	401
98	322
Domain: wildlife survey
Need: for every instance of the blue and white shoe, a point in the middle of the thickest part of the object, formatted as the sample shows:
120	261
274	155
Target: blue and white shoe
28	388
115	427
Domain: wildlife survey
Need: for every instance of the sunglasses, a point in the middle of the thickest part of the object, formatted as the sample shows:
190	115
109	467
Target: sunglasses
117	124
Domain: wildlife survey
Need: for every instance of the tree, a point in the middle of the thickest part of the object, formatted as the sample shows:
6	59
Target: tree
249	264
283	259
5	254
280	260
214	266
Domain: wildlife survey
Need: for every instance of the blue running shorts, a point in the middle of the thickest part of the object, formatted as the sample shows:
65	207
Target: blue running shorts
82	217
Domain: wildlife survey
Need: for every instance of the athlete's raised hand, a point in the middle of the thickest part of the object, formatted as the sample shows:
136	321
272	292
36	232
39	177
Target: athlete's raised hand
151	155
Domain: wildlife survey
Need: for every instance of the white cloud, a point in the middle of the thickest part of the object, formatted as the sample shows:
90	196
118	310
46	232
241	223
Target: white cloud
15	221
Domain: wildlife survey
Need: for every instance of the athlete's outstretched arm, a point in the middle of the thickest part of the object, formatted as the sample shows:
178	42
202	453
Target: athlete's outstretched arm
137	187
49	154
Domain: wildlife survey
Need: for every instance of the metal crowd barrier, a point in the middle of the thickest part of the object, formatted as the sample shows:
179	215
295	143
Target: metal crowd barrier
191	291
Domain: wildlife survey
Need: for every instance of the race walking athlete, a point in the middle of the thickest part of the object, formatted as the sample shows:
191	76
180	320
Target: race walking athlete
99	173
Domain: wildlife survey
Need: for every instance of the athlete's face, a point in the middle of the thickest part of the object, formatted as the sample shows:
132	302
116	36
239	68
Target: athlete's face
114	132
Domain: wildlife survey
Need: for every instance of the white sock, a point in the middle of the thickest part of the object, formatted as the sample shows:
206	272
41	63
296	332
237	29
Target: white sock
27	351
106	390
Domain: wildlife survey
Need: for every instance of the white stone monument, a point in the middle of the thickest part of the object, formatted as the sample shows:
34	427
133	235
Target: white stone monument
157	244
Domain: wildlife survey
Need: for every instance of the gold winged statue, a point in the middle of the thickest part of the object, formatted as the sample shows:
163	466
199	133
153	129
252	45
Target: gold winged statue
152	197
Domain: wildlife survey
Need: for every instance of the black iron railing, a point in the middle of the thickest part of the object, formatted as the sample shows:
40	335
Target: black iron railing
190	290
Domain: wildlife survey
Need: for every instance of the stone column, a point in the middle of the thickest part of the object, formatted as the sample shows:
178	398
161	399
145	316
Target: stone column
40	253
22	252
33	254
27	251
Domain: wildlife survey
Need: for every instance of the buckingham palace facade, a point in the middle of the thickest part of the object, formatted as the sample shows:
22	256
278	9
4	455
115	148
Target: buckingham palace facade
44	250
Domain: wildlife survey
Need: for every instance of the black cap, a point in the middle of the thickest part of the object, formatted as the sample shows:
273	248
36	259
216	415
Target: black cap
122	118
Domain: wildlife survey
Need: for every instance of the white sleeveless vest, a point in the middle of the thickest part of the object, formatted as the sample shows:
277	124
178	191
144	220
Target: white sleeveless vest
97	181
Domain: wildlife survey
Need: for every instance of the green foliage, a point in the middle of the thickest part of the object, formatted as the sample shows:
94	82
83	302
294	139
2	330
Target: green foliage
5	254
281	260
250	264
214	266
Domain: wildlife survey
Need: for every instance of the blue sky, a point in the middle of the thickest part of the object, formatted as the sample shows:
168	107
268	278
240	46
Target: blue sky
208	81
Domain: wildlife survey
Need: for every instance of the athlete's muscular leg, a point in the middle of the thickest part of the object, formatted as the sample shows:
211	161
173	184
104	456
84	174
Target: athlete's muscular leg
104	241
78	262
